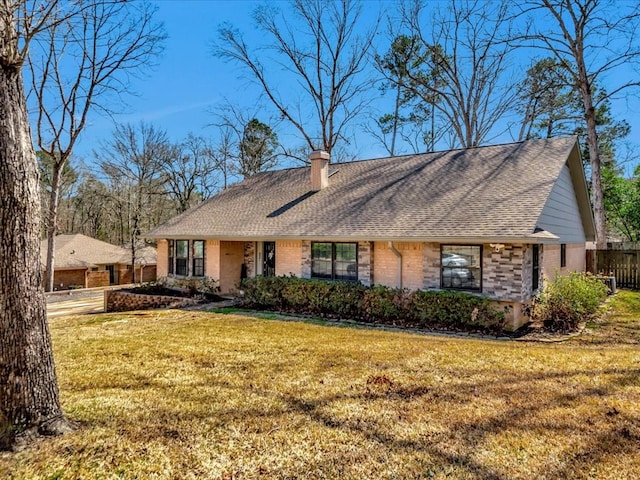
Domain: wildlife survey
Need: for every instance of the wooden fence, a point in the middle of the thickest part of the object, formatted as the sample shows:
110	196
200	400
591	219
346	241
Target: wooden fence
622	264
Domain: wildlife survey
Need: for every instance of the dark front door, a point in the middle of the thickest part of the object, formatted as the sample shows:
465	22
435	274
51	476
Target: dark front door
112	274
269	264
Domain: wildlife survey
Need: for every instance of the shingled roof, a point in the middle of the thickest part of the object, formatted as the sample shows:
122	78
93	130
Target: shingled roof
493	193
80	251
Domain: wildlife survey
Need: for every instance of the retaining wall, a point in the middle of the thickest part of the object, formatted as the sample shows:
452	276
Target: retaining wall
120	301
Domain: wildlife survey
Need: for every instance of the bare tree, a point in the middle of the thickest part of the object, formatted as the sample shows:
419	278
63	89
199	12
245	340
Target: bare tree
189	170
133	162
317	43
466	66
84	64
591	39
29	402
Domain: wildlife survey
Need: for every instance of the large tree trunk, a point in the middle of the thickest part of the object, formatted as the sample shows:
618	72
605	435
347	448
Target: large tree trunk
29	403
594	152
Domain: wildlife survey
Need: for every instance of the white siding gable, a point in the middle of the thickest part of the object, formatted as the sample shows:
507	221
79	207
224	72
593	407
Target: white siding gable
561	215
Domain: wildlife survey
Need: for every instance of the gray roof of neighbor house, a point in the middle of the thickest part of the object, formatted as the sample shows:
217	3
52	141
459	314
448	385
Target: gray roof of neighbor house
493	193
80	251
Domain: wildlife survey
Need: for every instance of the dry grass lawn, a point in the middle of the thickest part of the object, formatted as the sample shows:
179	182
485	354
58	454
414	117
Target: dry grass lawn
179	395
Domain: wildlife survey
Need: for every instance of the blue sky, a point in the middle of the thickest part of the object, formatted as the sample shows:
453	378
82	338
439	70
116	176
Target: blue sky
189	81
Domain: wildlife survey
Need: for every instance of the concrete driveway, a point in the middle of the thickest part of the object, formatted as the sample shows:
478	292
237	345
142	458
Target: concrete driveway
75	302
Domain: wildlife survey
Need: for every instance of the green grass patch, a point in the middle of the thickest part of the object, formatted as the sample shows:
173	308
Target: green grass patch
185	394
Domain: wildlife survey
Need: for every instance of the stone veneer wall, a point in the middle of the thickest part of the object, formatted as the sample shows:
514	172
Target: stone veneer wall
250	258
527	272
305	270
365	264
502	272
119	301
431	266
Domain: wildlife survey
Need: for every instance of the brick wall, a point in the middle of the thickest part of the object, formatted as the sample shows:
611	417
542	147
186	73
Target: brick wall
119	301
576	260
231	258
386	264
163	258
148	273
289	258
98	279
212	259
65	279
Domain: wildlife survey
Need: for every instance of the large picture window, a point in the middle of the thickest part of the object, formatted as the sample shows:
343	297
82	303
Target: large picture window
334	261
186	258
461	267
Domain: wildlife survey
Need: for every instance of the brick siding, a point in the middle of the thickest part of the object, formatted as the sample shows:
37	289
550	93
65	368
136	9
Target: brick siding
576	260
98	279
65	279
231	258
162	249
289	258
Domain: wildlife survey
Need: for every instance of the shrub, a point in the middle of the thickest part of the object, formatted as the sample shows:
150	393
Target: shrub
377	304
568	300
205	286
457	310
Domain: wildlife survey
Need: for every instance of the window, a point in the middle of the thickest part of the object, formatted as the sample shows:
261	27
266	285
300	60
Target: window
186	258
182	257
461	267
198	258
334	261
563	255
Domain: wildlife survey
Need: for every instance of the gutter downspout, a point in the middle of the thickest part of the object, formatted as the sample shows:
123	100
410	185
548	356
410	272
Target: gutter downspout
399	257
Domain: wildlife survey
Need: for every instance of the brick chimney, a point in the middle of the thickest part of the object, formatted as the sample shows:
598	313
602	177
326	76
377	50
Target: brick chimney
319	169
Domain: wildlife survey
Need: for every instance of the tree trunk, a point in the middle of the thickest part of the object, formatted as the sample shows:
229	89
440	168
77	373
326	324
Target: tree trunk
29	402
597	197
52	221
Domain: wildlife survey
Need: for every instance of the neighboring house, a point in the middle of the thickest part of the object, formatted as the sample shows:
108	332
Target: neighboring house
490	220
84	262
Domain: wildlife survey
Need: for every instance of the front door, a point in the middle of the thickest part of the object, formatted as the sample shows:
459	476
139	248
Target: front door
112	273
269	263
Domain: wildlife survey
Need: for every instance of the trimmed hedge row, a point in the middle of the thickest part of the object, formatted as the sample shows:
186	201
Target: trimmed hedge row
378	304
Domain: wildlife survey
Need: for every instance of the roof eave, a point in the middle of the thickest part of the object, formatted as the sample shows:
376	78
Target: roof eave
527	239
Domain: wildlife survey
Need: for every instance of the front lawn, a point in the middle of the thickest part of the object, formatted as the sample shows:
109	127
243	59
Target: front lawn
179	395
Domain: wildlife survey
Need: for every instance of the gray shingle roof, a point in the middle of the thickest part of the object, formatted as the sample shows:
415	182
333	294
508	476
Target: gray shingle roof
80	251
495	192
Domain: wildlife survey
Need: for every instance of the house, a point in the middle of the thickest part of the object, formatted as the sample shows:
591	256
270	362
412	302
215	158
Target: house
490	220
84	262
